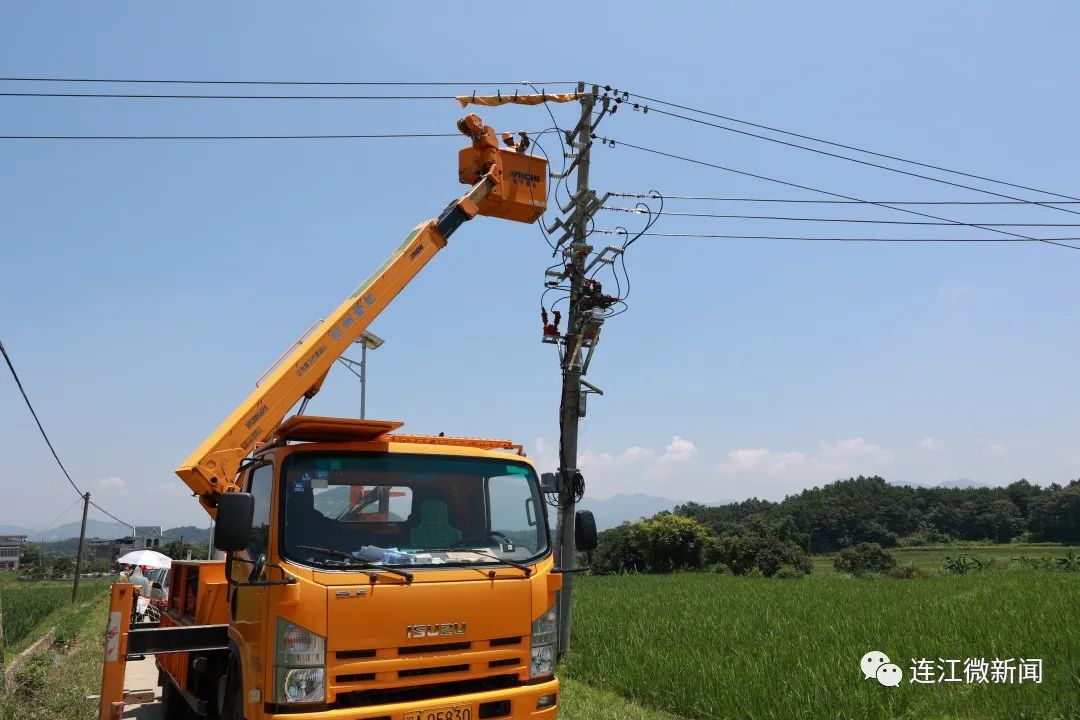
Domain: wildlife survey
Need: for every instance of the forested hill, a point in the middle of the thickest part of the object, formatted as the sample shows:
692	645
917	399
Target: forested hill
867	509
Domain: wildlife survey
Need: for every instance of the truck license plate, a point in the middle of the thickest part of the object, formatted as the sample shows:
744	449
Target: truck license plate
450	712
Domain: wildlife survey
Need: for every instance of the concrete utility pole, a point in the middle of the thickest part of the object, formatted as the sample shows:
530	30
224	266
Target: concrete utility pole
78	556
569	404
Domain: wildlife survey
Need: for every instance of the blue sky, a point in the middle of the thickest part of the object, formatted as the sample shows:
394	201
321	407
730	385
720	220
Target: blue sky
145	286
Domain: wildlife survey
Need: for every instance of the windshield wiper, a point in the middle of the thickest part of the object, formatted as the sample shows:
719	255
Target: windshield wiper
357	562
523	568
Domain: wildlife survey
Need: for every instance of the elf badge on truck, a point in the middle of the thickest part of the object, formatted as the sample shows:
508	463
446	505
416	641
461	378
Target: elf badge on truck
368	574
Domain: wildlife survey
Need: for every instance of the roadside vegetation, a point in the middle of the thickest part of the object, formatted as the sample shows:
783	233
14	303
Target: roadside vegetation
60	681
29	609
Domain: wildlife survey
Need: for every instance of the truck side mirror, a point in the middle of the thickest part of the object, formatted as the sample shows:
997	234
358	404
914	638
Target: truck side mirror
585	538
235	512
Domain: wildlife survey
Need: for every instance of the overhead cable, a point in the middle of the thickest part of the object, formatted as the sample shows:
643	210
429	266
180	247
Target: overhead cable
384	136
154	96
849	239
851	147
867	162
284	82
843	202
826	192
26	398
122	522
669	213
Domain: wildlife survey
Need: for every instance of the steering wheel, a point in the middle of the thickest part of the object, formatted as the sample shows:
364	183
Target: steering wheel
482	540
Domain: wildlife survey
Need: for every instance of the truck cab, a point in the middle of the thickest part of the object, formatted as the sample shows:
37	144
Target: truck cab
380	576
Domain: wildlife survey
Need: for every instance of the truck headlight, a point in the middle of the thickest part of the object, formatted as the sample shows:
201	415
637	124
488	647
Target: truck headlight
545	632
300	685
542	661
299	664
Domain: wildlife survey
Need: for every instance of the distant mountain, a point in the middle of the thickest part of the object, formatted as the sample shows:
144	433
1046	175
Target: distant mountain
191	534
94	529
621	508
15	530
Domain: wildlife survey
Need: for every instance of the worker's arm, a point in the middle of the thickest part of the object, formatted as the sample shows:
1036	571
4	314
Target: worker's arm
213	466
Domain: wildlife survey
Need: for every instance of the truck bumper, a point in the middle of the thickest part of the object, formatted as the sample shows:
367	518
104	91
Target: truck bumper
522	700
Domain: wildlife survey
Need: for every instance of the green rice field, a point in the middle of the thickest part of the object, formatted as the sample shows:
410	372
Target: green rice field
28	609
714	646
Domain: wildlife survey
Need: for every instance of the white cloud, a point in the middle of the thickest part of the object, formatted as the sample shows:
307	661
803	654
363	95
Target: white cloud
765	459
767	473
111	482
635	469
995	450
855	448
929	443
678	450
683	471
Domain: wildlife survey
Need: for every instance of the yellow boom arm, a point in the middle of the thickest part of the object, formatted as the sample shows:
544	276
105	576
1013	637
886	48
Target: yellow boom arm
211	469
504	183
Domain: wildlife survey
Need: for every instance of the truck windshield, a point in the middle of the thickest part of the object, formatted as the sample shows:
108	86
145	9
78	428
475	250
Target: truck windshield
397	510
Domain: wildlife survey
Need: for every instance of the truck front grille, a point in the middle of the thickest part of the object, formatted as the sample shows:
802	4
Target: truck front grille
415	667
429	649
440	690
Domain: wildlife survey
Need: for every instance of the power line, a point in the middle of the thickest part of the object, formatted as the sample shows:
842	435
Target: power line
837	220
847	239
828	192
284	82
56	520
383	136
18	382
154	96
26	398
851	147
122	522
842	202
867	162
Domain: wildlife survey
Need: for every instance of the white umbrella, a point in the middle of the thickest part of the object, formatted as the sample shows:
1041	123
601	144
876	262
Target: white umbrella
146	558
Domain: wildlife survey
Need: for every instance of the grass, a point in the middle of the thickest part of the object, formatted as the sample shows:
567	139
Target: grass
932	557
578	701
706	646
48	690
30	609
717	646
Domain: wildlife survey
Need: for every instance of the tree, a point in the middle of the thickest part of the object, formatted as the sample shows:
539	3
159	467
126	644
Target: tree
62	566
1054	514
178	550
30	554
763	544
664	543
864	558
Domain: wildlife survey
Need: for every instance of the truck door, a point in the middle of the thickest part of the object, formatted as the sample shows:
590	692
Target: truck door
248	603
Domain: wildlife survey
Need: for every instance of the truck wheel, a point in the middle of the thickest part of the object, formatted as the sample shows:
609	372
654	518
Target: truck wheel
231	692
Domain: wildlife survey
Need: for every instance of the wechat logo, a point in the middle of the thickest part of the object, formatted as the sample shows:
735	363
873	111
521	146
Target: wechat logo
876	664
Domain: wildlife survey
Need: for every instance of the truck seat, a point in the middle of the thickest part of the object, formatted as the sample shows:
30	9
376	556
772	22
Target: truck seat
433	528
